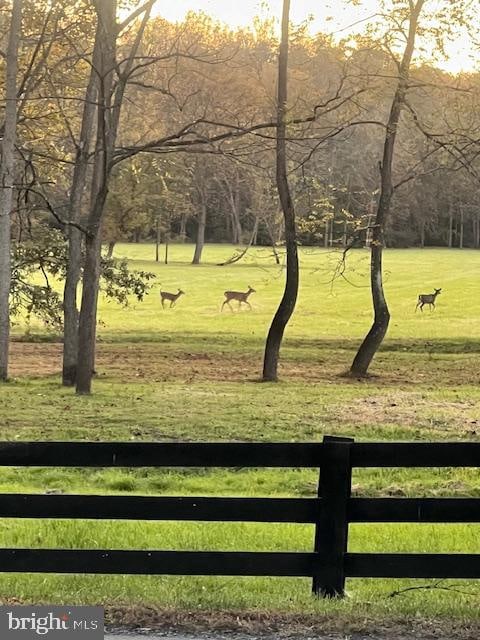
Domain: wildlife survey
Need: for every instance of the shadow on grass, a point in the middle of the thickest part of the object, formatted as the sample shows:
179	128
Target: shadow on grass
244	343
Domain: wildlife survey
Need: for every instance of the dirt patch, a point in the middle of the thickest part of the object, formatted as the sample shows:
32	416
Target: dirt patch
413	409
158	363
35	359
275	624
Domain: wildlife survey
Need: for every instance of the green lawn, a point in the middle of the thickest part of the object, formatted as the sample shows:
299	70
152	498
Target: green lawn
337	311
326	310
191	373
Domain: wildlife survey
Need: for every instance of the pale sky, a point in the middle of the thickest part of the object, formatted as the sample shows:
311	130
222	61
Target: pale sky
331	17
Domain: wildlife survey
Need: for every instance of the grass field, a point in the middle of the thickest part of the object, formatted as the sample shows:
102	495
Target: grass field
191	373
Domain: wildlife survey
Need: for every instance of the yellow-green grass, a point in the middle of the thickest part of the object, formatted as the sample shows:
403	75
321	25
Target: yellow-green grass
338	311
367	598
190	374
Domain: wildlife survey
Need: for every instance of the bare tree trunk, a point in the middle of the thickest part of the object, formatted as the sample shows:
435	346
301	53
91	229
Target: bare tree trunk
110	99
371	217
236	212
327	233
88	313
375	336
111	247
461	227
106	134
273	243
7	169
275	254
157	240
450	227
347	208
422	234
255	232
233	196
200	242
75	236
345	233
287	304
166	247
183	228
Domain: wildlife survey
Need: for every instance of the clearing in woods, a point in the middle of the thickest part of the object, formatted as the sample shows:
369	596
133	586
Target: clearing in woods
189	373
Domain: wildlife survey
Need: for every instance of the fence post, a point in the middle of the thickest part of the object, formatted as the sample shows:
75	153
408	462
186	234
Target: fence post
331	531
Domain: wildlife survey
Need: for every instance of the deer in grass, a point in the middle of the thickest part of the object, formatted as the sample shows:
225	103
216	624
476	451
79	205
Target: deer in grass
427	298
173	297
241	296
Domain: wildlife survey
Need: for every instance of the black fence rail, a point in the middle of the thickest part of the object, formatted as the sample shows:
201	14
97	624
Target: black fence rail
331	512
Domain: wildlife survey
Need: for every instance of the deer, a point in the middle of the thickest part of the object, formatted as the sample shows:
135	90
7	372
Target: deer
173	297
241	296
427	298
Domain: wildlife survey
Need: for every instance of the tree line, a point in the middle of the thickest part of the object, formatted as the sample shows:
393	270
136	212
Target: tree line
121	126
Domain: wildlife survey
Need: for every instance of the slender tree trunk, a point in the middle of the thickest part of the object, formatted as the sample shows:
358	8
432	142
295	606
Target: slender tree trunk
422	234
166	247
275	254
255	232
88	314
461	227
375	336
327	233
107	121
75	236
232	193
7	169
450	227
183	228
111	247
273	244
157	240
236	213
200	242
347	208
110	99
287	304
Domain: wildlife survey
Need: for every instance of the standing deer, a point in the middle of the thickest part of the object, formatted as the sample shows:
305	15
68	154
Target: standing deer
238	295
173	297
427	298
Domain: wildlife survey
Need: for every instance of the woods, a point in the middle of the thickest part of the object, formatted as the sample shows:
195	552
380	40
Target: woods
120	126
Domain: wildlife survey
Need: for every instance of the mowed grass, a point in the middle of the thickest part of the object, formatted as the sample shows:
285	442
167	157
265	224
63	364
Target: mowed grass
337	310
326	310
191	373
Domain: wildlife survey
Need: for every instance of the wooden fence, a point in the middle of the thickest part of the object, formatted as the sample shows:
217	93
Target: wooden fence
331	512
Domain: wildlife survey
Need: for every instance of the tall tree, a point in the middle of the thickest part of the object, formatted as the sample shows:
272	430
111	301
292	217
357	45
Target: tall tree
7	169
288	301
378	330
75	237
111	92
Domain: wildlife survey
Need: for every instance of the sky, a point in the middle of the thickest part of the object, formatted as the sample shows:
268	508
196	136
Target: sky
330	16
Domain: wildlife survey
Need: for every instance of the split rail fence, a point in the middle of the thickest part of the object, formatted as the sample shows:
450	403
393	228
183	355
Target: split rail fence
328	564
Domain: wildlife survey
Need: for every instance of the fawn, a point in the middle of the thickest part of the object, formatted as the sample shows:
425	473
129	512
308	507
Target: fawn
173	297
427	298
238	295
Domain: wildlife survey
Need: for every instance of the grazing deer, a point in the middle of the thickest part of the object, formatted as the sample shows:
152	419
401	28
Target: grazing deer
241	296
427	298
173	297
